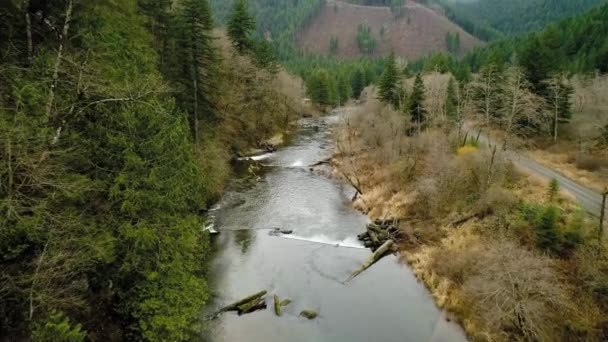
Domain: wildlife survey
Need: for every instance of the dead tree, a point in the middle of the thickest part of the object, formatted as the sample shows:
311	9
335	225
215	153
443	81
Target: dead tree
63	39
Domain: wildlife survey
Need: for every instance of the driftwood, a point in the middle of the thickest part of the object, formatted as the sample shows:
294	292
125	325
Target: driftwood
285	302
277	305
235	306
322	162
377	255
255	305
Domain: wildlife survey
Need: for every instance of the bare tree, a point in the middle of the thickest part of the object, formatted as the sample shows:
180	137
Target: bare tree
557	100
520	107
486	93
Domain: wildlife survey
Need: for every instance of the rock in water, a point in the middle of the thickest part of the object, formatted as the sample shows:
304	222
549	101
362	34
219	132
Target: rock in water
310	314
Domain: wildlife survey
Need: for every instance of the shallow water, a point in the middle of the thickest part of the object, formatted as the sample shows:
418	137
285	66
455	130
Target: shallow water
385	303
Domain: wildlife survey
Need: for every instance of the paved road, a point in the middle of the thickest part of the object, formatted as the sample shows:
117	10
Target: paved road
588	199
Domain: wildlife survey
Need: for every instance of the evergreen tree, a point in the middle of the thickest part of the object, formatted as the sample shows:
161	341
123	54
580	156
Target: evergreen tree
388	82
197	61
240	26
358	82
265	56
451	102
416	107
547	236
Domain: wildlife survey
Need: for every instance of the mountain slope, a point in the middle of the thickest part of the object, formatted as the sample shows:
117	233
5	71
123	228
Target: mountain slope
418	31
517	16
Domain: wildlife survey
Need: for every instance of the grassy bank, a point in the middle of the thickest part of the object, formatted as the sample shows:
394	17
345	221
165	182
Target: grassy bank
511	257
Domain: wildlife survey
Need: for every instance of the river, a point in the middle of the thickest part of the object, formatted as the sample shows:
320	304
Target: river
385	303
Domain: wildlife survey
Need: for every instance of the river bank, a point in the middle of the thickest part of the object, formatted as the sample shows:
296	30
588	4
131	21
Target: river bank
509	257
309	266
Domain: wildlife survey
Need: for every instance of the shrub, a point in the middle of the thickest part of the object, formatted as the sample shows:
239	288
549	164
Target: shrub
517	292
57	328
547	236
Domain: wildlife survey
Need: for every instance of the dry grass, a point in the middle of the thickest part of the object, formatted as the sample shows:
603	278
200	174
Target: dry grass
488	270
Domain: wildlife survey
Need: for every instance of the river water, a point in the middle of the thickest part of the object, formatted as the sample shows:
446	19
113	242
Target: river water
309	266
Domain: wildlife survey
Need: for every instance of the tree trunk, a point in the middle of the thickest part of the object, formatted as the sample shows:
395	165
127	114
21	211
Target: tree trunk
234	306
66	27
603	215
377	255
28	31
195	114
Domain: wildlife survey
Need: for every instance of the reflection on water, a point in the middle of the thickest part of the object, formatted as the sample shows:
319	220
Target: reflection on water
309	266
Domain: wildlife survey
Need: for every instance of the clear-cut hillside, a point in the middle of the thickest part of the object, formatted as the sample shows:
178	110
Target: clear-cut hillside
418	31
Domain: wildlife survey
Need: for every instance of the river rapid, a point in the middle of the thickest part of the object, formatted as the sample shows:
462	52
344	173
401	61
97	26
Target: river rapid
385	303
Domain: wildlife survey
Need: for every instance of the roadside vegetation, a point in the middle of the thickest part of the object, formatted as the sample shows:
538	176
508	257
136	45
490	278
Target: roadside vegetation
511	256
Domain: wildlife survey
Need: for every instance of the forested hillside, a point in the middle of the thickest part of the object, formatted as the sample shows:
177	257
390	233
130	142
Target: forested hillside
279	20
575	45
117	124
515	16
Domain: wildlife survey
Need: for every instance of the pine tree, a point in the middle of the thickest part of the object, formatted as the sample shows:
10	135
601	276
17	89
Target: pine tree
265	56
358	82
553	190
240	25
388	82
198	61
547	236
417	110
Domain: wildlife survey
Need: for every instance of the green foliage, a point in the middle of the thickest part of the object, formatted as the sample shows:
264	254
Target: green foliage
279	19
451	102
322	88
193	65
387	86
553	190
452	42
265	56
416	107
240	26
515	16
358	83
365	39
57	328
547	237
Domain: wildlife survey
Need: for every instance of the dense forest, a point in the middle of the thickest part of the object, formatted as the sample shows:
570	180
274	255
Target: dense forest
117	125
574	45
488	19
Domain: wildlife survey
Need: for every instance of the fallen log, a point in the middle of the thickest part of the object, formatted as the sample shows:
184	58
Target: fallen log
277	305
377	255
285	302
235	306
261	305
248	307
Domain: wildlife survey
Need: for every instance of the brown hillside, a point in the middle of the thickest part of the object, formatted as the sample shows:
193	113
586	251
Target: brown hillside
415	33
